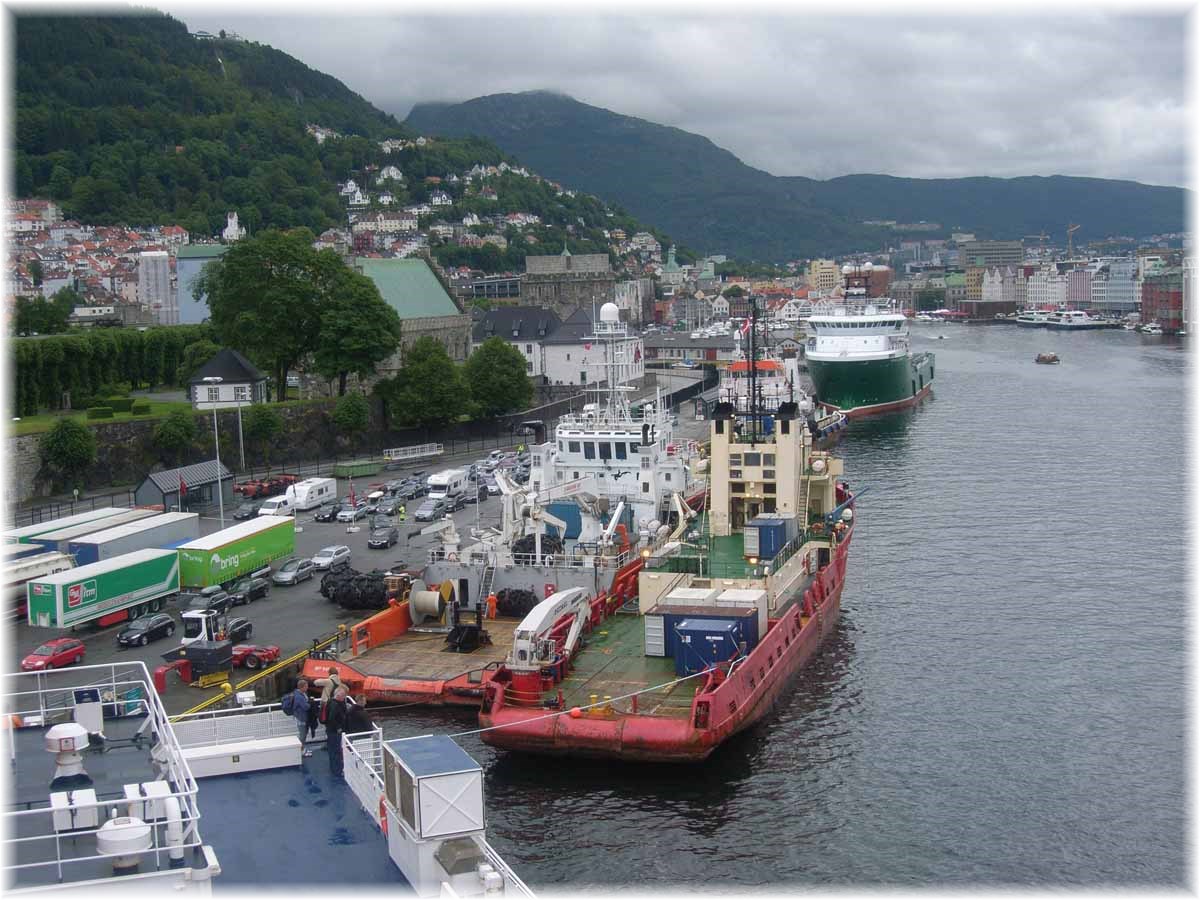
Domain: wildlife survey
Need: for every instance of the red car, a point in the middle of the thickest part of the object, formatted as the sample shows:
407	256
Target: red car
54	655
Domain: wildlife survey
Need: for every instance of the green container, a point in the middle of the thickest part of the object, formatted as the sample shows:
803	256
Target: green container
89	592
232	552
356	468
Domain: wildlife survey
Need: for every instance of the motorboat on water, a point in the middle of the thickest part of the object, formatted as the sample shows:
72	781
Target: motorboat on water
1047	359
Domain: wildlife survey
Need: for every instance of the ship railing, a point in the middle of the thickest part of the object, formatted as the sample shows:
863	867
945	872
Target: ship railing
568	561
211	728
39	850
363	769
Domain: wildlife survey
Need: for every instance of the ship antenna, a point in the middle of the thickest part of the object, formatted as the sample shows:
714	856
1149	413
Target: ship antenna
753	357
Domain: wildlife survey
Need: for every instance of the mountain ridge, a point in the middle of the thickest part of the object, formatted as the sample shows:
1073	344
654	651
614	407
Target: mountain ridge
711	200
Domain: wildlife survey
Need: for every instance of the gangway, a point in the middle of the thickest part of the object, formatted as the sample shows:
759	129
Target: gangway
417	451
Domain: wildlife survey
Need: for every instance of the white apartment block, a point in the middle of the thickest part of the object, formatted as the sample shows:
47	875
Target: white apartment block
1047	287
154	286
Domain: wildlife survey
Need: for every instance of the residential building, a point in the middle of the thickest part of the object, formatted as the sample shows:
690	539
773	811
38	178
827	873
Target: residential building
678	346
1080	287
1115	287
956	290
1003	291
241	383
824	275
188	263
1162	299
1047	287
154	286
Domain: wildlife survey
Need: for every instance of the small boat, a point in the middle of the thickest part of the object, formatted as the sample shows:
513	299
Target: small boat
1152	328
1047	359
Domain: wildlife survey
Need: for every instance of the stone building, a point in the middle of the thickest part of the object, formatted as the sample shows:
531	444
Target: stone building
565	283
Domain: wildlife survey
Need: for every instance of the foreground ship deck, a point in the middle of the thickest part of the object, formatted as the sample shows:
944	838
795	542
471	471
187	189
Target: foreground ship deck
422	655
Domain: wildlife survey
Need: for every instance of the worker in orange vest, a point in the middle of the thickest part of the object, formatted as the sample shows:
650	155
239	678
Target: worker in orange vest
491	605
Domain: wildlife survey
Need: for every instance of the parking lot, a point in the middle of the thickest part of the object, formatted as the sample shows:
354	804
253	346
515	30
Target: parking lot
292	616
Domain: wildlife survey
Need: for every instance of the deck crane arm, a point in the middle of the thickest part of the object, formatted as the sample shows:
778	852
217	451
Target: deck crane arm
607	535
532	647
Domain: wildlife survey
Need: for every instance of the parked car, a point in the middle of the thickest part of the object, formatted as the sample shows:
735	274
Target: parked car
248	590
329	557
488	480
387	507
219	601
412	489
382	538
327	513
350	513
238	630
54	654
476	492
140	632
294	571
246	511
431	509
391	487
379	521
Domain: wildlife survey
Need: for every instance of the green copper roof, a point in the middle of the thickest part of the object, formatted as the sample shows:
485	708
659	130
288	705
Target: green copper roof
409	287
956	279
201	251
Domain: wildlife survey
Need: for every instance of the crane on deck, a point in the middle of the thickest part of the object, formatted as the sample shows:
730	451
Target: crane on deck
533	646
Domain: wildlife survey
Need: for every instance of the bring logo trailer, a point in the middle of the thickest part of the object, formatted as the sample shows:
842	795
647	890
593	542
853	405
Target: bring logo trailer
113	590
225	555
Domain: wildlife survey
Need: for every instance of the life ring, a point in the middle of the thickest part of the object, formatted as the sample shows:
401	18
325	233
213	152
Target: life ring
383	816
818	527
451	557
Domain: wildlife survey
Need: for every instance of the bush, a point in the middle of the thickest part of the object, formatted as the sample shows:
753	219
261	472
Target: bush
140	409
100	412
120	389
120	404
69	448
81	400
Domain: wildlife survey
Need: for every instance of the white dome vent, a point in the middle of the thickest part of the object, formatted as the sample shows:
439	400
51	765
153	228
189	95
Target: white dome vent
609	312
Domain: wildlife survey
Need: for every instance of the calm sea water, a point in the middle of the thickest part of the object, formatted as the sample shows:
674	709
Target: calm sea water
1003	704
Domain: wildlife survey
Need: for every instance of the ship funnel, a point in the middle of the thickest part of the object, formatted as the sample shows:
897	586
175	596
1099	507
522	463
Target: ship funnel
66	740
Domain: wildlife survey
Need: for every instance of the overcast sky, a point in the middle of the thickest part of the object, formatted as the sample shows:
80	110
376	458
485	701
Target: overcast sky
1048	90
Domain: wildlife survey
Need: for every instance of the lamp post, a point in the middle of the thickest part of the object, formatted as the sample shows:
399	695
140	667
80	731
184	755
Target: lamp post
216	380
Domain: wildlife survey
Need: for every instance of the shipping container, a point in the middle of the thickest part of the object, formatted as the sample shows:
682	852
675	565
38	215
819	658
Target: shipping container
749	598
702	643
156	532
764	537
104	592
24	533
356	468
225	555
673	615
17	573
12	552
61	540
692	596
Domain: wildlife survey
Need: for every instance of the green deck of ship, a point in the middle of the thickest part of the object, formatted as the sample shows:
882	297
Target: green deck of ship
614	663
719	556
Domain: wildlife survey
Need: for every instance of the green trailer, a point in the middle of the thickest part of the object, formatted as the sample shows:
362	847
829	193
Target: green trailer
106	592
226	555
357	468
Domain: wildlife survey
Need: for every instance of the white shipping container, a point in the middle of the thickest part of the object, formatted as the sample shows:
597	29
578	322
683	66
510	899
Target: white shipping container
748	597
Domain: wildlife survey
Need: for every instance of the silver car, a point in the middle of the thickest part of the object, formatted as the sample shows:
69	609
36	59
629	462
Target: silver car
294	571
330	557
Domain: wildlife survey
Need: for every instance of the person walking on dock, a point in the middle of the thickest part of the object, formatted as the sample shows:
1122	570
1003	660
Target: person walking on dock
492	601
296	704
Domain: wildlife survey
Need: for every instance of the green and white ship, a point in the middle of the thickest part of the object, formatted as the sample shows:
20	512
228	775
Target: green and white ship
860	362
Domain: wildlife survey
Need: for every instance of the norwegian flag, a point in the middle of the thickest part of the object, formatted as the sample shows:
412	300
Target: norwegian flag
587	346
352	492
182	488
746	327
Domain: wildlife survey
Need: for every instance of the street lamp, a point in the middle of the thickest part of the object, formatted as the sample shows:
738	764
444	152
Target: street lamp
216	380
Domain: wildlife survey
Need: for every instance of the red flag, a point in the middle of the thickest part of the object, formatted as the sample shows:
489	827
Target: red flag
587	346
351	492
746	326
182	488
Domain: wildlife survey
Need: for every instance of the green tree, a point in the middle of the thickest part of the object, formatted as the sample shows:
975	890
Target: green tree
352	415
260	425
265	300
194	356
36	272
496	376
68	449
358	329
429	389
735	291
176	434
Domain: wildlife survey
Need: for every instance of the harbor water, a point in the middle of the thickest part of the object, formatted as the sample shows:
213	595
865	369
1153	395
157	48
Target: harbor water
1003	704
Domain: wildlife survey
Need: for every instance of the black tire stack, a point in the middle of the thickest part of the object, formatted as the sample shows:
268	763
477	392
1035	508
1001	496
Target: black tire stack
351	589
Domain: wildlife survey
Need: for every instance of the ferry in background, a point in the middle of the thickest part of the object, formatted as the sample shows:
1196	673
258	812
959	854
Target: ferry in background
1033	318
860	361
1078	320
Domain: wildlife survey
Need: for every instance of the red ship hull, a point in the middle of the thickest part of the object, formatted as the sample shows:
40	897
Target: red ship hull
722	707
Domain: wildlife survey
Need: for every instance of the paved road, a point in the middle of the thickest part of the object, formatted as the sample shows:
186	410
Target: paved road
293	616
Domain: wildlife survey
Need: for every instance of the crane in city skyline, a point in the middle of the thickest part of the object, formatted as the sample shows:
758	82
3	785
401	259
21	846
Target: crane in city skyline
1071	229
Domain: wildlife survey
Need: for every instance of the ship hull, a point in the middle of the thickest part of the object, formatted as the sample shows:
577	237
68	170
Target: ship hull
868	387
718	711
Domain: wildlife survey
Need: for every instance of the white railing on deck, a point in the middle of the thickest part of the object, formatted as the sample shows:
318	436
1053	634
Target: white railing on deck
44	855
362	754
246	723
414	452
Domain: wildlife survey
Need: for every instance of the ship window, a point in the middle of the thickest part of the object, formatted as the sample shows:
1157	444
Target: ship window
768	473
573	446
768	459
560	446
605	450
667	477
633	446
575	475
754	459
645	462
620	448
737	487
589	449
645	487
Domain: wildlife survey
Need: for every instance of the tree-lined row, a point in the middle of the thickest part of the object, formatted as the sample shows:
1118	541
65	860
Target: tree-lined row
48	369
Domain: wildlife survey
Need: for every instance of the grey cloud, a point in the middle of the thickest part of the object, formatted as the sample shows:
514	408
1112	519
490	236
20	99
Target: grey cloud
1089	93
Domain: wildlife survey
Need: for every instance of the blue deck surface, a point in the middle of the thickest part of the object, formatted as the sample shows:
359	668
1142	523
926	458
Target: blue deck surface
292	826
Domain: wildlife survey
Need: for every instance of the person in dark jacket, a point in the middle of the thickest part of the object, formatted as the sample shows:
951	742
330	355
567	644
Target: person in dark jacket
335	724
300	709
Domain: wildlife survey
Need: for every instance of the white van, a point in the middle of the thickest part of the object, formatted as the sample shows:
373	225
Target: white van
313	492
278	506
450	483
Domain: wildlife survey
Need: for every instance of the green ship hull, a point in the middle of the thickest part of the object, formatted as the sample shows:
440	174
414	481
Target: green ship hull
860	388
